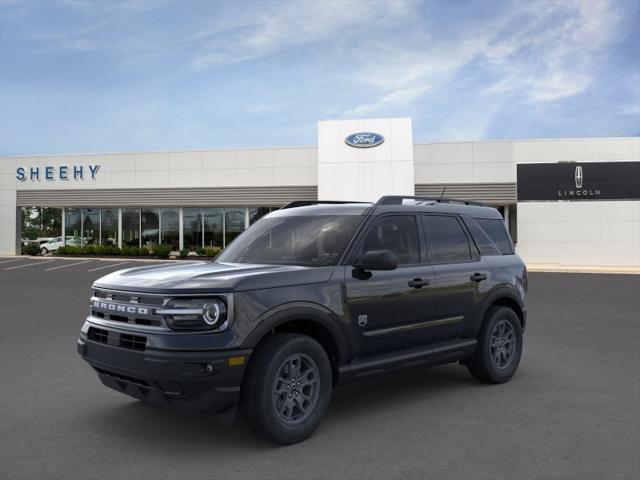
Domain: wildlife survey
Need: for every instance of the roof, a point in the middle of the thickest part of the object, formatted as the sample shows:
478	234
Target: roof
395	204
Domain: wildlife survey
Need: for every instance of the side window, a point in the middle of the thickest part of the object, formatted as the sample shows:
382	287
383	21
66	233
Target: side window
448	241
484	243
398	234
497	232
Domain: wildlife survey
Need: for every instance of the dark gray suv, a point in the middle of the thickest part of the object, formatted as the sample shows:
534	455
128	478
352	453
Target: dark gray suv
310	296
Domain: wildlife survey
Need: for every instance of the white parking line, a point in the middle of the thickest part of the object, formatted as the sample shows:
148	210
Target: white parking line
107	266
68	265
31	264
14	260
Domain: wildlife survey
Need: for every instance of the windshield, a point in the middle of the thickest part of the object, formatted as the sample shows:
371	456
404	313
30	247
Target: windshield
311	241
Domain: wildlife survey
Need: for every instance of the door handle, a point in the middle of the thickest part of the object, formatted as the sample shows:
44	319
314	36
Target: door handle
478	277
419	282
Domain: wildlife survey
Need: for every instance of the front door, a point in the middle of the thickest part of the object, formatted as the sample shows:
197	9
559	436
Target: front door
390	310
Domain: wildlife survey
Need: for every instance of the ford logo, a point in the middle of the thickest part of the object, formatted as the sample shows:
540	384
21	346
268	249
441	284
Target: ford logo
364	139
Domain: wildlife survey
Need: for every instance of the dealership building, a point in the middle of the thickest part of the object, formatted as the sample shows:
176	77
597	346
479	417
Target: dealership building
567	202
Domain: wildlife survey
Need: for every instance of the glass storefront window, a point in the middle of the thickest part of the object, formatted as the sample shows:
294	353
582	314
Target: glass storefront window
72	226
202	227
90	226
150	226
234	223
255	213
131	227
109	226
170	227
192	228
213	227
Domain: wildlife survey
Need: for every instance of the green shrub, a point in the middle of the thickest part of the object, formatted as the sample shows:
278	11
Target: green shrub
163	251
212	252
144	251
65	251
97	250
30	249
200	251
184	252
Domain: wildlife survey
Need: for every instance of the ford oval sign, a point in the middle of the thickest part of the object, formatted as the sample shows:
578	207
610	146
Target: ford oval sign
364	139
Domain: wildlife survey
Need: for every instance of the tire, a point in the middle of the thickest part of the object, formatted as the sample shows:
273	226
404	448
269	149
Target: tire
497	363
44	251
268	395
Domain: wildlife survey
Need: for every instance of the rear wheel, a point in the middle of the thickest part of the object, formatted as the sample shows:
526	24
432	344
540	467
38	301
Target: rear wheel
44	251
287	388
499	347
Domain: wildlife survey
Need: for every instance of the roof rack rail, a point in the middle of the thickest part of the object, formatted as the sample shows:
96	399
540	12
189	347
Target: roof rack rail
306	203
397	200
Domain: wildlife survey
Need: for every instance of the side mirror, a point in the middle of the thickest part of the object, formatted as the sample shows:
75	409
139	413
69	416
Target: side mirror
378	260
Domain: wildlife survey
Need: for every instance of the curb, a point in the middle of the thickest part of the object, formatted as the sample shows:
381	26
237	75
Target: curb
574	269
103	259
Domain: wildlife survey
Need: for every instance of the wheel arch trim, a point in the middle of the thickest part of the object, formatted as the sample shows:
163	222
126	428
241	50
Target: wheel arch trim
503	295
301	312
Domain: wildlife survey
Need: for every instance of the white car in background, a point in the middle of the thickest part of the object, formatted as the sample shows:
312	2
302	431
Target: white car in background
52	245
57	242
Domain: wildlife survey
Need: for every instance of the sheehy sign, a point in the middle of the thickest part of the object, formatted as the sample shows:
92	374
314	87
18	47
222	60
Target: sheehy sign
579	181
60	172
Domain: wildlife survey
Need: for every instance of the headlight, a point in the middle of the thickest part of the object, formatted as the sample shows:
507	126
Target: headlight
194	314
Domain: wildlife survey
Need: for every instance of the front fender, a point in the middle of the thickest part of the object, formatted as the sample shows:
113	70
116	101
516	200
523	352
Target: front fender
308	311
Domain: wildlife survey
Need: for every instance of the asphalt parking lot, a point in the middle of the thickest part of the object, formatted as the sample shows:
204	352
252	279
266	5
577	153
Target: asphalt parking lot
572	410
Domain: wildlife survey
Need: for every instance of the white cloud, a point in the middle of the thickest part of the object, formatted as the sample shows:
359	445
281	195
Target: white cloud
534	52
553	55
284	25
396	99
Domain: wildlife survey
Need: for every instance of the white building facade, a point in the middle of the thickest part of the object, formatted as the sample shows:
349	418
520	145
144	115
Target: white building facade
567	202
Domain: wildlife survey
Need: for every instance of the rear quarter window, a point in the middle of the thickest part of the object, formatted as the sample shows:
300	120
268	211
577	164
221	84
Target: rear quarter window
497	232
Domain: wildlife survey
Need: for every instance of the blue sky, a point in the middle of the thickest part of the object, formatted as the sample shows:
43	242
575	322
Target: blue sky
105	76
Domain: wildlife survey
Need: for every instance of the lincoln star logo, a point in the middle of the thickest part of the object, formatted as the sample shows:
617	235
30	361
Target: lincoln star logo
580	192
364	139
118	307
579	177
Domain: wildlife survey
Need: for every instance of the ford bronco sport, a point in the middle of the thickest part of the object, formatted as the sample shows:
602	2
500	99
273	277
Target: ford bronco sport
313	295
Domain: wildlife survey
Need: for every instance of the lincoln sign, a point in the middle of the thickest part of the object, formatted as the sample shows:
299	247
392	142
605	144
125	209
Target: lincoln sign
579	181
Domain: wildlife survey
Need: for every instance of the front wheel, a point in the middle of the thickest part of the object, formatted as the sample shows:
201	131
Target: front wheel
499	346
287	388
44	251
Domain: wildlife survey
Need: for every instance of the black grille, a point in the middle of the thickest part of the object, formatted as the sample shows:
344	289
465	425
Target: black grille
129	297
126	378
133	342
98	335
120	318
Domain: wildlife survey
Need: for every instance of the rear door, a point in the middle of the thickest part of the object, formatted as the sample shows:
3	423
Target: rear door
390	310
461	277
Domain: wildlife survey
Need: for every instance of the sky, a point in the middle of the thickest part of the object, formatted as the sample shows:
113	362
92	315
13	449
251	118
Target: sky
111	76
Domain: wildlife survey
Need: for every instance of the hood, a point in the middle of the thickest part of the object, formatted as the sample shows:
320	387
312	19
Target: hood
201	277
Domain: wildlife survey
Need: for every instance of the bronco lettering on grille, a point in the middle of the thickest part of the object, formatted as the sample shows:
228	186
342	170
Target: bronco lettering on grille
116	307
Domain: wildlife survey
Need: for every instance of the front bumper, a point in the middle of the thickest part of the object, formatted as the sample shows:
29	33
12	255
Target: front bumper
203	381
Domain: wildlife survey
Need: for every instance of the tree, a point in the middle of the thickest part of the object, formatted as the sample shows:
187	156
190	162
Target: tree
41	222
